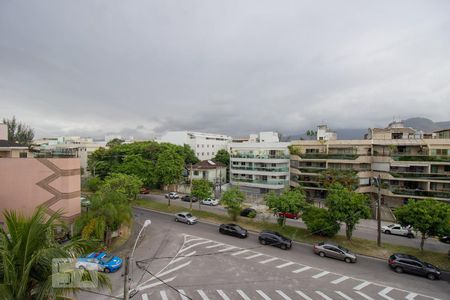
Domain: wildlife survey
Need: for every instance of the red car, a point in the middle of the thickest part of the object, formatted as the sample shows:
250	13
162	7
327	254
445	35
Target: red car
144	191
289	215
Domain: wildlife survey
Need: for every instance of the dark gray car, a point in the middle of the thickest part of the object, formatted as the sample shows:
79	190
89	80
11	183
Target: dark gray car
410	264
334	251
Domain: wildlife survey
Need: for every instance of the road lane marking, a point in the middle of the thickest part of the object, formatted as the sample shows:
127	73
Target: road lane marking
254	255
303	295
194	245
182	257
411	296
301	269
223	295
285	265
268	260
182	294
362	285
214	246
323	295
339	280
175	268
163	295
240	252
243	295
202	294
286	297
364	295
144	297
343	295
227	249
262	294
320	274
195	239
384	292
140	288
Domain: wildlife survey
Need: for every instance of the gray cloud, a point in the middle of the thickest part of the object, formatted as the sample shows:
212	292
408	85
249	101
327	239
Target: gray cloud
145	67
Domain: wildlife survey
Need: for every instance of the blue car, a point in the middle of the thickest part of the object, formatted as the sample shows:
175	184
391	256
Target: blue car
101	261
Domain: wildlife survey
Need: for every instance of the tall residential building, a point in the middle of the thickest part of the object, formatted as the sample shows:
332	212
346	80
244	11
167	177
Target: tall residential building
410	166
204	145
261	164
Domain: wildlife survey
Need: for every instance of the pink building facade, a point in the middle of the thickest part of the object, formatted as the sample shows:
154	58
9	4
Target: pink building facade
54	183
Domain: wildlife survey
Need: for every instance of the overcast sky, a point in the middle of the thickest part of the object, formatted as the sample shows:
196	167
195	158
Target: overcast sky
233	67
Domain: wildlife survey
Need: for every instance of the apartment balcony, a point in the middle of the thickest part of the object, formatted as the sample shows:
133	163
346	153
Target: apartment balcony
261	156
267	184
265	169
424	176
311	170
261	172
430	158
445	195
325	156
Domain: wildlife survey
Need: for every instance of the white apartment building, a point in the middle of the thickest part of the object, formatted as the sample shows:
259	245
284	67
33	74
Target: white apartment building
325	134
261	164
204	145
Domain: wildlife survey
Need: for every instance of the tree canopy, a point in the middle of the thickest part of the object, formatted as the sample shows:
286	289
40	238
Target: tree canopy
169	167
201	189
291	201
430	217
223	157
346	178
114	142
232	199
128	185
19	132
320	221
347	206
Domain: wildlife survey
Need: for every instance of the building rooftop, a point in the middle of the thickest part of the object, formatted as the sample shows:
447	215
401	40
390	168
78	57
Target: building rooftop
207	164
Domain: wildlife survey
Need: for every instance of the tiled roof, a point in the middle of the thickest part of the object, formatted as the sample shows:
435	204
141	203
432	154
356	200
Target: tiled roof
207	164
8	144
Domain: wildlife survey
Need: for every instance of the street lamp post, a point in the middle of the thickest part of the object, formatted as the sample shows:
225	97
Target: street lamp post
378	181
126	294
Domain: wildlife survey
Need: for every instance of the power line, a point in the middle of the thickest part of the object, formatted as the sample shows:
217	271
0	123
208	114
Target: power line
97	293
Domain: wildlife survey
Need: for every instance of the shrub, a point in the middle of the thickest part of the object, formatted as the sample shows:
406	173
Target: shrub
319	221
93	184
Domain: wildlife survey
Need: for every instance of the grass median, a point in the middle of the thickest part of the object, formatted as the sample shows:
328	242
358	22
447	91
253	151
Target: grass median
357	245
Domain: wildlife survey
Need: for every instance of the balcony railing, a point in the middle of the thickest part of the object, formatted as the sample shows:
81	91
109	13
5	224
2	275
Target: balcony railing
421	193
328	156
311	170
263	169
270	182
420	175
420	158
261	156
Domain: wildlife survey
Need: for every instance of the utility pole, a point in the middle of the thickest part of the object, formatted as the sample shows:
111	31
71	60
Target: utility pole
190	188
379	211
125	279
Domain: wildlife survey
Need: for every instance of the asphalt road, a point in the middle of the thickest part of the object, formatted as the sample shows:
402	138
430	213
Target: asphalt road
196	262
366	229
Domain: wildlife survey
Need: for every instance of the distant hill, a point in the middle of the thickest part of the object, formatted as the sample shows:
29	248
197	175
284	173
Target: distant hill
426	125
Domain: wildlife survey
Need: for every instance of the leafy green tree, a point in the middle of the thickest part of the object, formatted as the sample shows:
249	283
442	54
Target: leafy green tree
189	155
291	201
93	184
319	221
128	185
429	217
169	167
114	142
136	165
347	206
232	199
19	132
27	248
293	150
201	189
223	157
347	178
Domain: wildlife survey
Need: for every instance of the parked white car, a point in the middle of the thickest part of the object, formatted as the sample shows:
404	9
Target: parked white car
172	195
211	202
398	230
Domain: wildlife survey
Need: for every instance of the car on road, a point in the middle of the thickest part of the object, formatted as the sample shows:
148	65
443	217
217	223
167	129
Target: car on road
410	264
289	215
172	195
101	261
210	202
185	217
144	191
273	238
398	229
334	251
247	212
187	198
234	230
445	239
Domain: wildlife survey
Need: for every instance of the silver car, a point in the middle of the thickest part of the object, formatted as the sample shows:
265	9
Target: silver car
334	251
185	217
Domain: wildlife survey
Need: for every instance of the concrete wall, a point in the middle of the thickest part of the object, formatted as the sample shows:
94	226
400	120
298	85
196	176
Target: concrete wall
26	183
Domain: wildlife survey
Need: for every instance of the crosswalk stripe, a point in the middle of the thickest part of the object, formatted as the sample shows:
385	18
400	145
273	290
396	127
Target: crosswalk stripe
268	260
384	292
240	252
182	294
223	295
303	295
243	295
227	249
339	280
301	269
343	295
214	246
364	295
163	295
285	265
253	256
286	297
320	274
323	295
144	296
262	294
182	257
202	294
361	286
411	296
194	245
195	239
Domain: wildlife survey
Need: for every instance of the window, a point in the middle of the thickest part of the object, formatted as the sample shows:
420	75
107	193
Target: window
196	173
203	153
212	153
203	146
23	155
198	146
207	146
198	154
207	153
446	168
212	146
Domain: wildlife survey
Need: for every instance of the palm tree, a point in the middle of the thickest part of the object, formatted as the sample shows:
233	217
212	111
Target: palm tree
27	248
